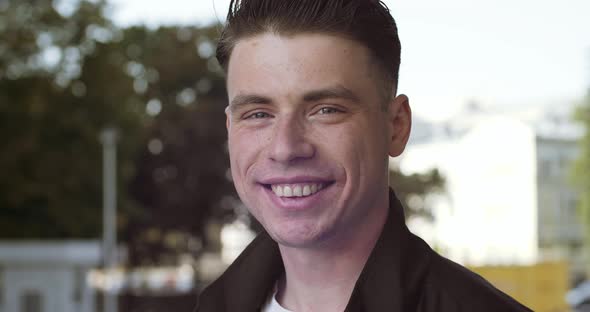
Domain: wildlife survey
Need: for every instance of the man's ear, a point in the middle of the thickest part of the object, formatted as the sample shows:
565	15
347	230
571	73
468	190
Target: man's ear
400	123
227	112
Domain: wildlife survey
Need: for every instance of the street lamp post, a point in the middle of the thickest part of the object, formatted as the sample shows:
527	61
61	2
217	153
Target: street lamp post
108	138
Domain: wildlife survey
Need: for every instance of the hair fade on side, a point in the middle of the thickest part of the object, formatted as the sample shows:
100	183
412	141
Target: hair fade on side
365	21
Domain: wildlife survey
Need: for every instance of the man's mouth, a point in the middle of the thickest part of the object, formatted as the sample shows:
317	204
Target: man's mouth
296	189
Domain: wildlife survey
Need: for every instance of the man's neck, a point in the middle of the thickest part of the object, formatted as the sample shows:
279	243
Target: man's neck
322	279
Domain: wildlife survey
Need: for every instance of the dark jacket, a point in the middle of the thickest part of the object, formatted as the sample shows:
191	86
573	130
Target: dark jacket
402	274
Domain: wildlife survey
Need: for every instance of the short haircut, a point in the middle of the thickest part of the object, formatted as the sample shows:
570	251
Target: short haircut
365	21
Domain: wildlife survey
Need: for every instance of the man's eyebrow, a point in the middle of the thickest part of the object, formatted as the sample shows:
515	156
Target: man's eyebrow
336	92
243	99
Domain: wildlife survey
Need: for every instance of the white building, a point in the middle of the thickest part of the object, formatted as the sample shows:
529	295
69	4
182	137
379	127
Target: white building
47	276
508	197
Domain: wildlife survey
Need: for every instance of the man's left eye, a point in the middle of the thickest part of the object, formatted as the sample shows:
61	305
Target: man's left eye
328	110
258	115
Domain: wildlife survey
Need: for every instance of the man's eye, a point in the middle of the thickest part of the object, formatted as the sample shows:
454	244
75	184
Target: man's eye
328	110
258	115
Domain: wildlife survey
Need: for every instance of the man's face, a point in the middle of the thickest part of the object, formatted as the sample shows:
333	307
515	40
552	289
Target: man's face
308	136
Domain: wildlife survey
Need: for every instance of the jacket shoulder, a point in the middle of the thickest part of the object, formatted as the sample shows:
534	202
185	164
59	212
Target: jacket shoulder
452	287
257	265
209	298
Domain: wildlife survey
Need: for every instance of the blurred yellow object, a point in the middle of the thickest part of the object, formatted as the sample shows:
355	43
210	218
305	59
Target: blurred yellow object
541	287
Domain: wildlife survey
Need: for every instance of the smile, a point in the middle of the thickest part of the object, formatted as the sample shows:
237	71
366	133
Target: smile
296	190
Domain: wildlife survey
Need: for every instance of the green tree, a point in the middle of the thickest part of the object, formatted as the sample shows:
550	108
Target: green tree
412	190
64	76
53	104
182	170
581	167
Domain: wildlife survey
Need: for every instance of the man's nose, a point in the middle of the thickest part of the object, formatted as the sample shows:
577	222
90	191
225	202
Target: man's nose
289	141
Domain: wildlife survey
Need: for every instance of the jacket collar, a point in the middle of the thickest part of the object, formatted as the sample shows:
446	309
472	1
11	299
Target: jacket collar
251	278
392	277
390	281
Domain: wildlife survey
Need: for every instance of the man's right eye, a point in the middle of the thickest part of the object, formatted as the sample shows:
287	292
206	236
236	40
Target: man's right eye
257	115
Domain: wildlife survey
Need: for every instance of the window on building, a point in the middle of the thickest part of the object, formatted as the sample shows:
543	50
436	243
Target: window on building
79	284
31	301
564	164
546	167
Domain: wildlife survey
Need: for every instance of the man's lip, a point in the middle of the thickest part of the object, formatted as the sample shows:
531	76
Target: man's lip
294	180
296	203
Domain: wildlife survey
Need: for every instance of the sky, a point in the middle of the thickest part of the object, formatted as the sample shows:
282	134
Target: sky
504	54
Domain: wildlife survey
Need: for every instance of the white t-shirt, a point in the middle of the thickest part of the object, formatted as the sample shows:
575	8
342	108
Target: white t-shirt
272	305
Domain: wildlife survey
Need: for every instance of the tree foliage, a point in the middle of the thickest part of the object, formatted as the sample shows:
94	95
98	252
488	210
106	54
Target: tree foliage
581	168
182	171
54	102
65	77
413	190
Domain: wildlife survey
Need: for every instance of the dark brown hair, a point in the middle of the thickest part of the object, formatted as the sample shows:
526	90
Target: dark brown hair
365	21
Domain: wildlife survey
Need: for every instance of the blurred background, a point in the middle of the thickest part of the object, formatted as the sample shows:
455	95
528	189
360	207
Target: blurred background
114	187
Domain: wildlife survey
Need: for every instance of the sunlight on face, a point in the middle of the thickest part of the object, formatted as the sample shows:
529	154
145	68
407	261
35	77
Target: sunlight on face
308	140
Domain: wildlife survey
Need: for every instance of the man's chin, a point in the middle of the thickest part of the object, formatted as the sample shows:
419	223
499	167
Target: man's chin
296	238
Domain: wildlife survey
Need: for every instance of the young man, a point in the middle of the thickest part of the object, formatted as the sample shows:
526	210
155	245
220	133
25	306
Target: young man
313	117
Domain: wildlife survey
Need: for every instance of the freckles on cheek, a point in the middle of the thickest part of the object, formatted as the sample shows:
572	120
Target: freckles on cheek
234	149
244	152
236	158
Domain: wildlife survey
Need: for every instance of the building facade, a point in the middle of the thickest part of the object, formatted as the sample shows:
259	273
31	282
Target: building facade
47	276
508	197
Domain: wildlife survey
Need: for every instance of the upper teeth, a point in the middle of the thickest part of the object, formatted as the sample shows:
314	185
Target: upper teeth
296	190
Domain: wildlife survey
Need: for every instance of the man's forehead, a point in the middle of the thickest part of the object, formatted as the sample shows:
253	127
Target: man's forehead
250	47
310	56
